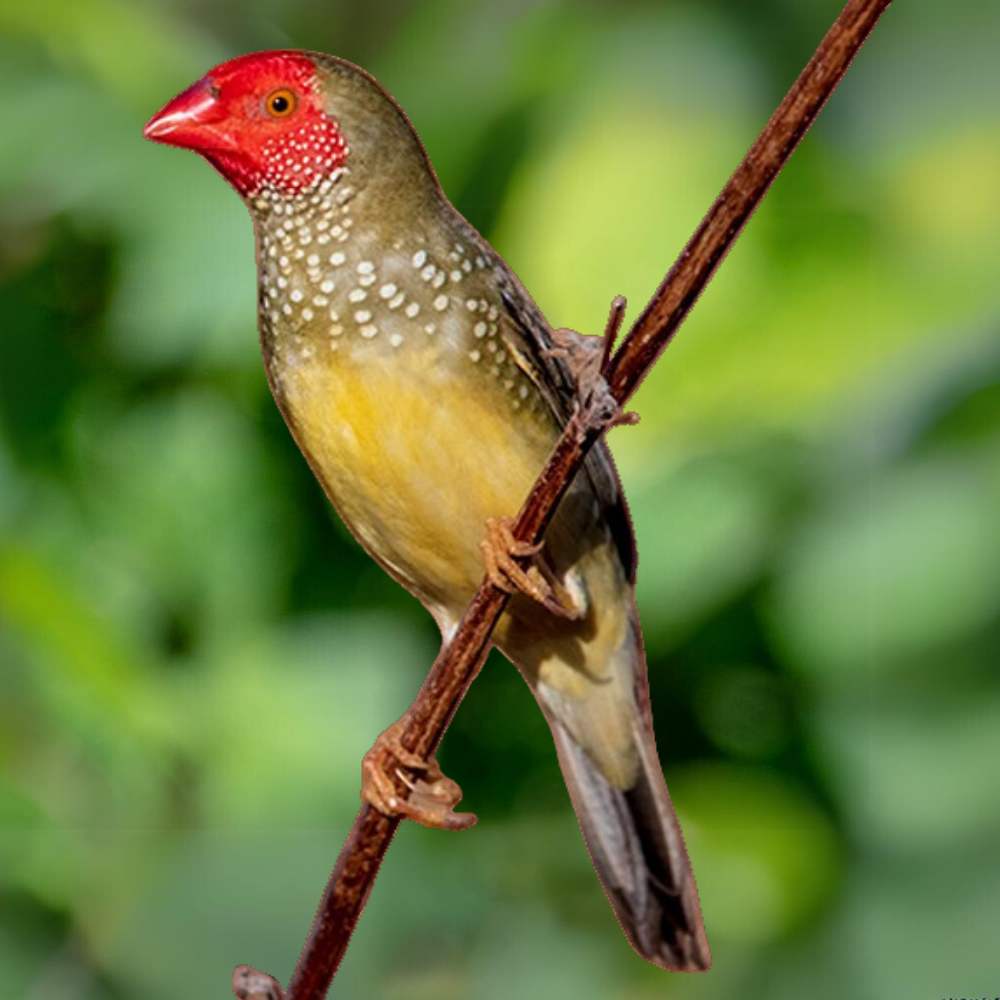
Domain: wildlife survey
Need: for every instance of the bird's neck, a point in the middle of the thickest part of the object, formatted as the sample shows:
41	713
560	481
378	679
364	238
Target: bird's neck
322	214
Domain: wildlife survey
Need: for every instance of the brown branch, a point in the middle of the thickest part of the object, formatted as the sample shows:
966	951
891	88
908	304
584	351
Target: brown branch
459	662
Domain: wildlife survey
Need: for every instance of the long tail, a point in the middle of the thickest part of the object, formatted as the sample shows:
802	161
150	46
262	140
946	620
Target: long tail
638	850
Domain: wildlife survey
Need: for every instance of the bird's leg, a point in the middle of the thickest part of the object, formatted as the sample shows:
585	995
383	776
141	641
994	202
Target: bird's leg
504	555
431	797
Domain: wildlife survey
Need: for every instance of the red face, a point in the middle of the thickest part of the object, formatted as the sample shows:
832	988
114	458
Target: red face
260	121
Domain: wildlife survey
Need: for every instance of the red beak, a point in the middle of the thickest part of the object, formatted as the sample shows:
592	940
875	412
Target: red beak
192	120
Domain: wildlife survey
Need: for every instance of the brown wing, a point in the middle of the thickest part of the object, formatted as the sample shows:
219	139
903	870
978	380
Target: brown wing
531	337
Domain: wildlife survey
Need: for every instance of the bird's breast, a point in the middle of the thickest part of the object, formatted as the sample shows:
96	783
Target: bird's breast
416	451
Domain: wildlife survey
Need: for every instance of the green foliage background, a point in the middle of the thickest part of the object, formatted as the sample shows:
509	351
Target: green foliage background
194	655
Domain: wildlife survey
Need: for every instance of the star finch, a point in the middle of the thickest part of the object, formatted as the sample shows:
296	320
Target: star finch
426	390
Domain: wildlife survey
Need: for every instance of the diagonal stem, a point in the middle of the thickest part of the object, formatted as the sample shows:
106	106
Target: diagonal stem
459	662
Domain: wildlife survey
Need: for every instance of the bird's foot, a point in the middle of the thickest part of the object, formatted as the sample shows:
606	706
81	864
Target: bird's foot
589	359
427	797
505	558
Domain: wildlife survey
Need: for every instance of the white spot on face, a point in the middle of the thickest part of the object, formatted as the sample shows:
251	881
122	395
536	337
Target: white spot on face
327	286
428	272
441	303
307	314
430	328
337	258
366	267
472	305
313	260
412	310
357	295
396	301
474	355
362	315
296	295
479	329
387	291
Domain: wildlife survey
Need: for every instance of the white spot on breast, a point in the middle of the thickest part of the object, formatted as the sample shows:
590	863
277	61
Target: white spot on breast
357	295
412	310
369	331
362	315
420	258
441	303
387	291
396	339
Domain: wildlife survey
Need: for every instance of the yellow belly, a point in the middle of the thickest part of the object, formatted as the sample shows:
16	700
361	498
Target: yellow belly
415	461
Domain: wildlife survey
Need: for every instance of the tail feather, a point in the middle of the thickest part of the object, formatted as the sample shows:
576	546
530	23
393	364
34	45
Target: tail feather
638	850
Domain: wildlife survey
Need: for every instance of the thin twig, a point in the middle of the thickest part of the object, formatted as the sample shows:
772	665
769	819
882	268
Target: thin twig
458	664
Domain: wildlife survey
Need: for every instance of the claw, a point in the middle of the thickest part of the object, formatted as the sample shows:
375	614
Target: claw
588	359
429	797
502	553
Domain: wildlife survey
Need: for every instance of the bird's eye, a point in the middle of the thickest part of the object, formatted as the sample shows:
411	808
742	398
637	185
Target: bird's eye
281	103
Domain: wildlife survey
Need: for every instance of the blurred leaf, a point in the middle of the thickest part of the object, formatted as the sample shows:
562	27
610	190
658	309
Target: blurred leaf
767	859
902	566
703	532
132	48
340	682
910	773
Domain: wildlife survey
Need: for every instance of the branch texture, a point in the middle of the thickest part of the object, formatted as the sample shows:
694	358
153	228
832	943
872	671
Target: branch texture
459	662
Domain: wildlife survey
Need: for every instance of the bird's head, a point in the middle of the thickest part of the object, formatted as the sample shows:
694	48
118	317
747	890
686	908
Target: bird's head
262	121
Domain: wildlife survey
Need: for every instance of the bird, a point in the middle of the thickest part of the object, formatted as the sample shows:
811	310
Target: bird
426	389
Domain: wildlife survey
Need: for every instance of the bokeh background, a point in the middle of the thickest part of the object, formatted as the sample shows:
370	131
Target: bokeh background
194	654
